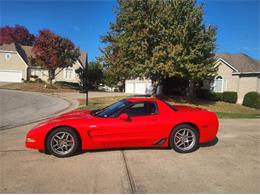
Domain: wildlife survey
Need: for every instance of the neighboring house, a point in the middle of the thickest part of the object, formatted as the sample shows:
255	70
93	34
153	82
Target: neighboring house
236	72
15	65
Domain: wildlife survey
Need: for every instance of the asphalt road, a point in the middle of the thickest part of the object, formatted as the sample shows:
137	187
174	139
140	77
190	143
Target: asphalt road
232	165
18	108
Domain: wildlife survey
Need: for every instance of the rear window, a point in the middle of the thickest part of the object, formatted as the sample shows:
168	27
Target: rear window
171	106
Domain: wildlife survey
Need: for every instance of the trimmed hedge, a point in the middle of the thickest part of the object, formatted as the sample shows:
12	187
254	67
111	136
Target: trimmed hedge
252	99
67	84
209	95
230	96
217	96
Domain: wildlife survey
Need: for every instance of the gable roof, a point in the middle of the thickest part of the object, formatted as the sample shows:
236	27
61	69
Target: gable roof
13	47
8	47
240	63
83	58
26	52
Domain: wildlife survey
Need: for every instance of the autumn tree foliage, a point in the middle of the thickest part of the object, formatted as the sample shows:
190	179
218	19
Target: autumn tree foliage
17	34
160	39
54	53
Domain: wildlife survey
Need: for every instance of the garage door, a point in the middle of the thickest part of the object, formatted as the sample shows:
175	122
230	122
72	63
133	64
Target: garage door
11	76
129	88
140	88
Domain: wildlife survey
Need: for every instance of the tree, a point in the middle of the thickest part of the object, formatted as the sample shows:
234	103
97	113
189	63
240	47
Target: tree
160	39
17	34
111	79
92	75
53	52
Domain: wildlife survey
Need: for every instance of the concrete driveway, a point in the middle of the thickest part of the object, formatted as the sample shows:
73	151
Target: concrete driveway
230	166
18	108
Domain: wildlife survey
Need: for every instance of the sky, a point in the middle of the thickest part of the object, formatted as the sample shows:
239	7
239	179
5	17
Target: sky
85	21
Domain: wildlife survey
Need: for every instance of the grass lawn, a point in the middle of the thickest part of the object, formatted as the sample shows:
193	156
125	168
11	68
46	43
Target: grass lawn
38	87
100	102
222	109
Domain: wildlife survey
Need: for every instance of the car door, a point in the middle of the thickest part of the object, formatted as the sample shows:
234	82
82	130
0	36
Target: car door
142	128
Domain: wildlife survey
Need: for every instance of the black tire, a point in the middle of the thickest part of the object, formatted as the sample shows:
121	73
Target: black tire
194	135
73	139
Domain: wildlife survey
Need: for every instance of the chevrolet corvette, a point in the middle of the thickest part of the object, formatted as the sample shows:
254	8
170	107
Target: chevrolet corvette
128	123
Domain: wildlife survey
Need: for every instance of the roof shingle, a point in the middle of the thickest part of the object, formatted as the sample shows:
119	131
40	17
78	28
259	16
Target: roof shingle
241	62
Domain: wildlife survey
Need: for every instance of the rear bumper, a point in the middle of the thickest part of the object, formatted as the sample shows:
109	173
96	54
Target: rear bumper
209	131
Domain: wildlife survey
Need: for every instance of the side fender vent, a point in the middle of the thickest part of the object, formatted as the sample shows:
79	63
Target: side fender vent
160	142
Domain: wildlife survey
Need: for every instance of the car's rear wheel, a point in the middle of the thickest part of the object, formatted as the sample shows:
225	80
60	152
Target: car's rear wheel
62	142
184	139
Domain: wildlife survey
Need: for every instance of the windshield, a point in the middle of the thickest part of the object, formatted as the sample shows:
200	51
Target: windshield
110	110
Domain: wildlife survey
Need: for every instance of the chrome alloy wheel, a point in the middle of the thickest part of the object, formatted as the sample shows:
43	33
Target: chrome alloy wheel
62	143
184	139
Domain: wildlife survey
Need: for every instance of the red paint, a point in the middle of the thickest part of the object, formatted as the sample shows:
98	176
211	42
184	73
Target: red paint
139	131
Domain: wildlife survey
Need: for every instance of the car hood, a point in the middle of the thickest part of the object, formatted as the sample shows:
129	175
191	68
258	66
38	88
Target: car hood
184	108
77	114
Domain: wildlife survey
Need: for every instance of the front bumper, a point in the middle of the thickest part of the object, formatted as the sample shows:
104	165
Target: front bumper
34	140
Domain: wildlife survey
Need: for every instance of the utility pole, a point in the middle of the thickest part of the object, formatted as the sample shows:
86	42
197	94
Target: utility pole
86	97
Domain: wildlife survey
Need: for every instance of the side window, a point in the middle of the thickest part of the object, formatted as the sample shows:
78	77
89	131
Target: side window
142	109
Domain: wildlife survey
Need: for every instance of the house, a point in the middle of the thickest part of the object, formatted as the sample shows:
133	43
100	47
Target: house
236	72
15	65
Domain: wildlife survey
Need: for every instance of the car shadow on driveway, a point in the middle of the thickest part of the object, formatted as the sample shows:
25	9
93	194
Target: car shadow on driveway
206	144
210	143
79	152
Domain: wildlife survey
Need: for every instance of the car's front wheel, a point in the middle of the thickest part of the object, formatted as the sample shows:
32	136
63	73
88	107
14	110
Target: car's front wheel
62	142
184	138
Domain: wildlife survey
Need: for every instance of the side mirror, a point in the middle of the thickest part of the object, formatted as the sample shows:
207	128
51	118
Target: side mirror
123	116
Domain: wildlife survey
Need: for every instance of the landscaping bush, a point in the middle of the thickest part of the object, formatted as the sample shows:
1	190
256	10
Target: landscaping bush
203	94
217	96
252	99
230	96
67	84
209	95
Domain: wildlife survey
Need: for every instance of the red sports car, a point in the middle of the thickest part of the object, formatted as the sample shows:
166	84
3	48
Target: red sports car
132	122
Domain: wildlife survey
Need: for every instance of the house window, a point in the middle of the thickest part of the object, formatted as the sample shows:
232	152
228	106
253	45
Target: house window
218	85
36	72
69	73
8	56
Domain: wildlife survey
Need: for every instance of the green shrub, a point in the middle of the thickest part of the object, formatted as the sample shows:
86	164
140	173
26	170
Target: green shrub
252	99
230	96
203	94
67	84
217	96
209	95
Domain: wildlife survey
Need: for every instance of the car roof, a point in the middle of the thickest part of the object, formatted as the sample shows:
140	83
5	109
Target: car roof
141	99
